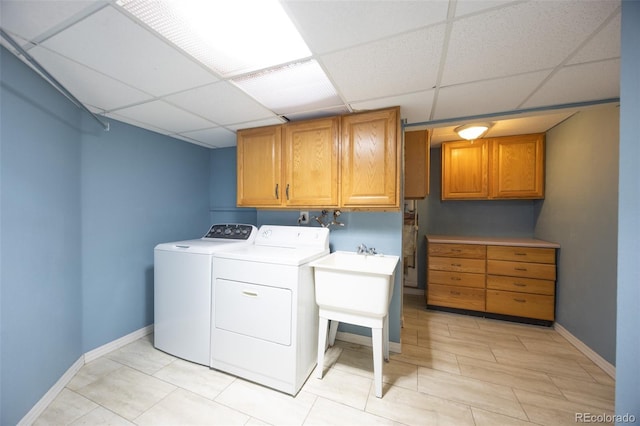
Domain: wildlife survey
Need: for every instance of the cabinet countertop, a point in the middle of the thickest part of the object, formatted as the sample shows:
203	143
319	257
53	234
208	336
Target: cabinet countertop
494	241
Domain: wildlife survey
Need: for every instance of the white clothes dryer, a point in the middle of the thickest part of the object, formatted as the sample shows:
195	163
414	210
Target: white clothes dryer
264	314
182	290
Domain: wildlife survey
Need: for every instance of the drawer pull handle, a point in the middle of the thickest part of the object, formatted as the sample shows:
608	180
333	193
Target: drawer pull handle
519	284
456	278
521	269
250	293
456	264
456	250
520	254
455	293
519	300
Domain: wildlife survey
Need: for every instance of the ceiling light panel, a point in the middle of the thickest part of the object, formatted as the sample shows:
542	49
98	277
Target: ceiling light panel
291	88
230	37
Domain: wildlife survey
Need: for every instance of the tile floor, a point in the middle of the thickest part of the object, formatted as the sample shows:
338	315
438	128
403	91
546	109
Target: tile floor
454	370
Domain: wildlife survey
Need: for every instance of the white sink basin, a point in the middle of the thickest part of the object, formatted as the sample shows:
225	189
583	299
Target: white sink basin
355	283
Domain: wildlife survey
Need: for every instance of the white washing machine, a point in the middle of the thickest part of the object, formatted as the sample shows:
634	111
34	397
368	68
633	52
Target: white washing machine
264	317
182	290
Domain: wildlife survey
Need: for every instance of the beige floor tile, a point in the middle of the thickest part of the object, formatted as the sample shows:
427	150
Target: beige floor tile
541	362
563	350
455	346
101	417
195	378
142	356
507	375
92	371
394	372
185	408
428	357
476	393
340	386
598	374
267	405
326	412
409	336
547	410
588	393
415	408
493	339
127	392
520	329
425	324
449	318
487	418
66	408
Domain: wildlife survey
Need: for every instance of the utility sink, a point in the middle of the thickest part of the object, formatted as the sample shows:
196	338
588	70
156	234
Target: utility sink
359	284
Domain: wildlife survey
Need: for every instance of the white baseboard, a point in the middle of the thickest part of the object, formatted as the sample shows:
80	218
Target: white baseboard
416	291
53	392
586	350
365	341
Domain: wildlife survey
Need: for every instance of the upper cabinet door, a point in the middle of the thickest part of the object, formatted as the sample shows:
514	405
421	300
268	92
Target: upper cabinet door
259	167
311	158
465	170
517	166
371	158
416	164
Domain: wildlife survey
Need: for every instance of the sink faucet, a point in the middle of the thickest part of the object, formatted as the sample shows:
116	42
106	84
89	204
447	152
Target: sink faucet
362	249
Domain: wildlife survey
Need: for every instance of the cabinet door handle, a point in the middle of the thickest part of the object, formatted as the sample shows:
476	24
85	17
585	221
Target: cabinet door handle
277	196
287	192
519	300
521	269
519	284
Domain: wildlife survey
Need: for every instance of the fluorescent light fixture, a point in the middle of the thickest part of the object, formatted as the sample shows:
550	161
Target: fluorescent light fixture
472	131
231	37
291	88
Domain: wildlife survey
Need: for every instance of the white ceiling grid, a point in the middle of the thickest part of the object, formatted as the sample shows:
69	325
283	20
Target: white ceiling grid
438	59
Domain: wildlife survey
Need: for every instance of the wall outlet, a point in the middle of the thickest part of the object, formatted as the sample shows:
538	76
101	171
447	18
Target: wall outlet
304	218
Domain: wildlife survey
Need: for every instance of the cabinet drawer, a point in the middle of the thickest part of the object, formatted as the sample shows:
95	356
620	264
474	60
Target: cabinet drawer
520	304
476	266
471	251
522	254
521	285
541	271
463	279
456	297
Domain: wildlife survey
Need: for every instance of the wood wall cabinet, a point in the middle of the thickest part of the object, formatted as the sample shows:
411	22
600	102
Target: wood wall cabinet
417	146
505	277
291	165
371	158
510	167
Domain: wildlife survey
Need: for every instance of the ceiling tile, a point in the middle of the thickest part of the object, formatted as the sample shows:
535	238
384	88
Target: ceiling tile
222	103
217	137
328	26
521	38
394	66
257	123
467	7
112	43
579	83
485	97
164	116
605	44
30	19
415	107
87	85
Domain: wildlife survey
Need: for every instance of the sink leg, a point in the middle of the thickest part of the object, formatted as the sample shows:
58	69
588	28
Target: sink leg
385	337
323	324
376	335
333	330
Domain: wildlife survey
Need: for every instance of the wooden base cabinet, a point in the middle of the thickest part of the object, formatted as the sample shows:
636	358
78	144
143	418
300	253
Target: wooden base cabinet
506	277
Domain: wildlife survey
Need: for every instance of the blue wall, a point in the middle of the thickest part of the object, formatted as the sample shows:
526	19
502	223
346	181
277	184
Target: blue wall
223	189
41	244
580	213
628	325
80	212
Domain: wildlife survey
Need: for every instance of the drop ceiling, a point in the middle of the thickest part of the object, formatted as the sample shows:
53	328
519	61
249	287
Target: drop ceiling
525	65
